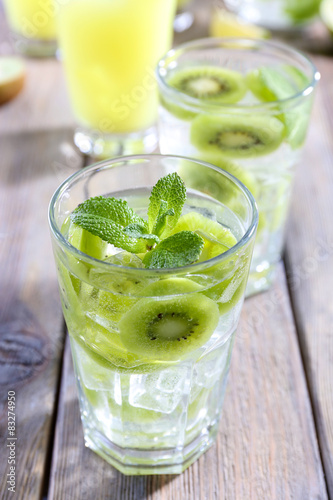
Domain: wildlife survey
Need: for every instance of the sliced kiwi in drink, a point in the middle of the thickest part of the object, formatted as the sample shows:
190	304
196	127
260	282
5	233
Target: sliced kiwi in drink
237	136
209	230
230	275
271	84
168	328
170	286
118	291
209	84
86	242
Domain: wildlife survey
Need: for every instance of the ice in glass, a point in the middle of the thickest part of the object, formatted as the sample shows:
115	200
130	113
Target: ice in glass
243	106
151	329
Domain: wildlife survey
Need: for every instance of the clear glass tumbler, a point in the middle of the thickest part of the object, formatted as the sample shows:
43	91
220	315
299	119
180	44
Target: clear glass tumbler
244	106
152	406
109	50
278	15
33	25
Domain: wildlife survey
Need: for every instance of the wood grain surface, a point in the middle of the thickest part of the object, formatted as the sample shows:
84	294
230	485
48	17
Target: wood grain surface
276	435
309	257
266	447
31	324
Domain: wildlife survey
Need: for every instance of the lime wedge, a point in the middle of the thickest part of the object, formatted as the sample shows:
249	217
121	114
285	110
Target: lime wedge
226	24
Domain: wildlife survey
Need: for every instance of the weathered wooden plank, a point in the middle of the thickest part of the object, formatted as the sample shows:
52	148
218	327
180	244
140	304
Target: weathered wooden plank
266	447
31	324
309	260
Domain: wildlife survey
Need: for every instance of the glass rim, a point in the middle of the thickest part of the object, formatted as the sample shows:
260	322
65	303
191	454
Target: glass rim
212	42
104	165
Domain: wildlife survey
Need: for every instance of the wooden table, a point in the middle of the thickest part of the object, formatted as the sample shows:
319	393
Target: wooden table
276	435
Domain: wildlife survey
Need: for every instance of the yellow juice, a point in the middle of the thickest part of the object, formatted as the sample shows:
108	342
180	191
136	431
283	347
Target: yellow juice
32	18
110	49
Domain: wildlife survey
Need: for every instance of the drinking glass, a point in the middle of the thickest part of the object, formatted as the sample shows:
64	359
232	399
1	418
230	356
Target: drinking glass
218	103
278	15
152	405
109	50
33	25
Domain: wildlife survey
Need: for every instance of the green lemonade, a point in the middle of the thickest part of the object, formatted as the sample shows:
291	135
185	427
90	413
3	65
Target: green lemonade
152	351
250	122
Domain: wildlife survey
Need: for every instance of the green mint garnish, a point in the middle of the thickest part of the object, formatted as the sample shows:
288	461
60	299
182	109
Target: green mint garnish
115	222
139	231
178	250
113	209
169	193
109	231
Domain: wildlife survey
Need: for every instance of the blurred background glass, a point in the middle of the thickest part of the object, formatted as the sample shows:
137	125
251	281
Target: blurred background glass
109	51
33	25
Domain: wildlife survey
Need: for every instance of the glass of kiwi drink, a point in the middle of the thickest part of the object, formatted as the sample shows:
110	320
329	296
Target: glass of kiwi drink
152	274
276	15
244	106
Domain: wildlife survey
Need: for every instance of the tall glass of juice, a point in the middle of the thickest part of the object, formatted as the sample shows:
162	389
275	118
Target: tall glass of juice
33	25
151	294
109	49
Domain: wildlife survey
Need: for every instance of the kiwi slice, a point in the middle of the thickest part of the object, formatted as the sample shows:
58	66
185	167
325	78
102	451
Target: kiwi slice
209	84
118	292
170	286
209	229
237	136
271	84
86	242
228	278
168	328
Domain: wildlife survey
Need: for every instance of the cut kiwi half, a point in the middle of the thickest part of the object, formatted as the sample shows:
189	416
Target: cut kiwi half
209	84
12	78
168	328
271	84
237	136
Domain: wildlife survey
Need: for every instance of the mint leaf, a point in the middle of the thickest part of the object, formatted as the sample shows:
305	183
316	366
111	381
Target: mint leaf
109	231
168	193
162	221
178	250
139	231
116	210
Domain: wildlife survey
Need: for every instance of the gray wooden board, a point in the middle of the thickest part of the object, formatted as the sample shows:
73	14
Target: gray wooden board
31	324
266	446
309	258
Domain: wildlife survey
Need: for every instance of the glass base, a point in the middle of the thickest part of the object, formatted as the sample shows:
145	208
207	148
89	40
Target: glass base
260	279
34	47
183	21
142	462
99	145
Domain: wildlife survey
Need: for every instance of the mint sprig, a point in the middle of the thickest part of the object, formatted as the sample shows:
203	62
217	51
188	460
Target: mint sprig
178	250
169	193
109	231
115	222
